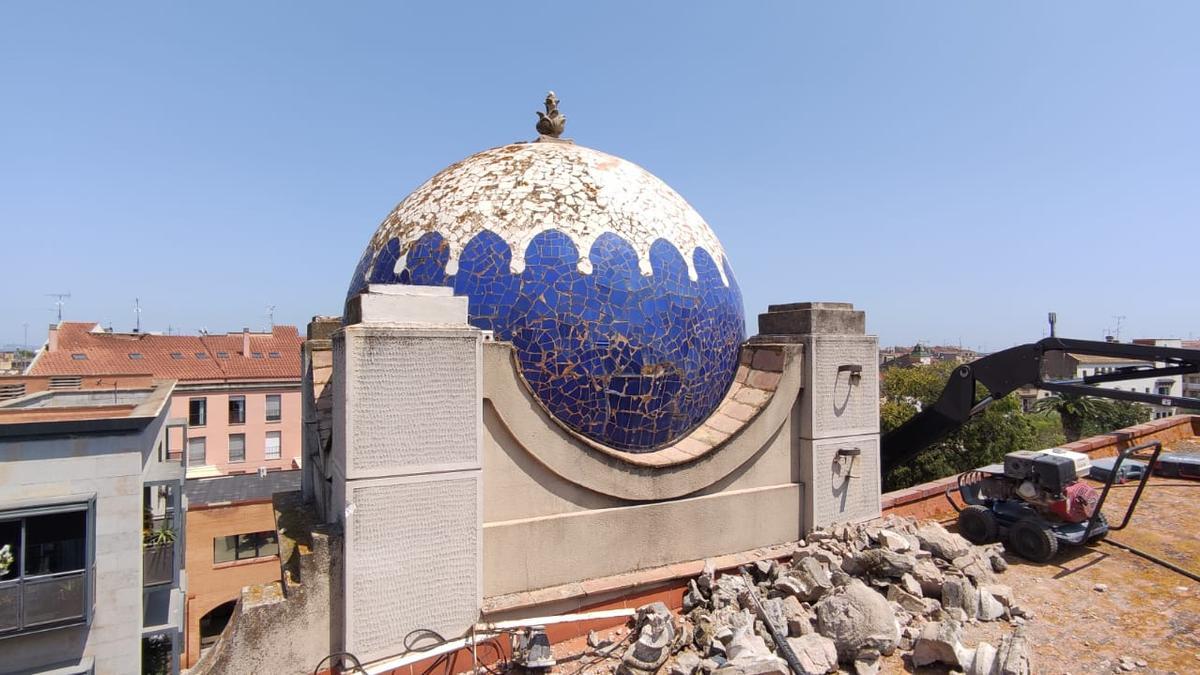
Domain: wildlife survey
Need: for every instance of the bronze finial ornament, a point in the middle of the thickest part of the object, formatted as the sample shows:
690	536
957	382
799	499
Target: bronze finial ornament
551	123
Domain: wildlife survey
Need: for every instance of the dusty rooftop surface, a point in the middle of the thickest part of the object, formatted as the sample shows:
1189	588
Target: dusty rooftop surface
1091	606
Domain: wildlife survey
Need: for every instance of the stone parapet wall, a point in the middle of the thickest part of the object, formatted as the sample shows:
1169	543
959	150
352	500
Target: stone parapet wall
928	500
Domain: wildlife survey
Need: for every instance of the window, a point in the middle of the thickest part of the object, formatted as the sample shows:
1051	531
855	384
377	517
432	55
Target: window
197	451
135	356
272	448
256	355
197	412
1164	390
201	355
237	409
273	408
79	357
48	582
176	355
272	355
222	355
245	546
237	447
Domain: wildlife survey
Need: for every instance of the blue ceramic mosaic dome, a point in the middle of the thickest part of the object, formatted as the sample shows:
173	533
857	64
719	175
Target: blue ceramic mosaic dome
617	297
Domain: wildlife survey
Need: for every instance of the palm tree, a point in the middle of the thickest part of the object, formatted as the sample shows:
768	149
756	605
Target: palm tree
1073	410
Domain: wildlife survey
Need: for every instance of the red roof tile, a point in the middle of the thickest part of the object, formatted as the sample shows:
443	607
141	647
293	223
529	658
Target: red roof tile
86	349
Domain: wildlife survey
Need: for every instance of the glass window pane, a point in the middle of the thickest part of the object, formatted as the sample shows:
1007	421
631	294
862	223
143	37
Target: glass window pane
224	549
55	543
273	407
237	409
10	548
247	546
237	447
53	599
196	451
268	543
272	446
197	412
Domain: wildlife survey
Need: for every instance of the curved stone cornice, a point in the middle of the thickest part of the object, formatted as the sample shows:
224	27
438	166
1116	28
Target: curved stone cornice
758	403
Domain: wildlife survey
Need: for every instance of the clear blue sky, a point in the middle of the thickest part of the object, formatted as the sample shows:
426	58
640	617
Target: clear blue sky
956	169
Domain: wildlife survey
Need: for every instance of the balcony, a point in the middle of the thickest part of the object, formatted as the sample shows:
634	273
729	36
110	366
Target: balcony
38	602
158	564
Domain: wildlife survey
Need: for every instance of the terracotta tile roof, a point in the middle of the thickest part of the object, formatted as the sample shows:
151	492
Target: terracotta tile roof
86	349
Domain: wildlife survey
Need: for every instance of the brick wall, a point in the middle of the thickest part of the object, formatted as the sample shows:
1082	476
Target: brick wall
211	585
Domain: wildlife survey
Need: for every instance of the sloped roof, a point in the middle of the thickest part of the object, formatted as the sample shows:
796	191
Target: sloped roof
85	349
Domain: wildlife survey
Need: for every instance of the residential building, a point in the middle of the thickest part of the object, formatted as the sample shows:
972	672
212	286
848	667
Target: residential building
919	354
91	531
14	362
239	392
1191	383
231	544
1060	365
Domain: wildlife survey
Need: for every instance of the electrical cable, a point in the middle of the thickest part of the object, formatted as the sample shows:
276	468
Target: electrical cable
353	659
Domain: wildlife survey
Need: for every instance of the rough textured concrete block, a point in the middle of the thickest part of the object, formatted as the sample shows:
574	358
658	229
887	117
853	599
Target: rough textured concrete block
812	318
413	551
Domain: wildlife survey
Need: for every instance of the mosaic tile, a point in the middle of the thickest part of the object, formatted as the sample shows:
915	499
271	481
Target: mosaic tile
620	334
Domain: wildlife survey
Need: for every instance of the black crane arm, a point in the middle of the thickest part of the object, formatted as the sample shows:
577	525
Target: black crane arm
1005	371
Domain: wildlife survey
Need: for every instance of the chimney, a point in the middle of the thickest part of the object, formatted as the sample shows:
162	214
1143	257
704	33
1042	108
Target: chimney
245	342
52	338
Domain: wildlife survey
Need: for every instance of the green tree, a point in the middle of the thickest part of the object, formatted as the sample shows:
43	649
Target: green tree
1001	428
1116	415
1077	412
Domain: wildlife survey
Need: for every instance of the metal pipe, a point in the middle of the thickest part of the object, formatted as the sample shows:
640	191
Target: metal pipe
497	626
1154	559
780	639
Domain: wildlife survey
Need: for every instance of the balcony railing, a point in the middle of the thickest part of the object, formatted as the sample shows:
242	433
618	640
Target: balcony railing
158	564
43	601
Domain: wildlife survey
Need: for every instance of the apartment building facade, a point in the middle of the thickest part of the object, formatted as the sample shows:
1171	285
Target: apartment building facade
92	532
239	392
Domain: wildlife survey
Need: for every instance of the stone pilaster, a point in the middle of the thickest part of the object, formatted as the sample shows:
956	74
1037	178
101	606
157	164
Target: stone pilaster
406	466
839	407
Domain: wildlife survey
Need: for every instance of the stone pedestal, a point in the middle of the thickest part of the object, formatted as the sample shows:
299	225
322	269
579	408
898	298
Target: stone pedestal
406	467
839	407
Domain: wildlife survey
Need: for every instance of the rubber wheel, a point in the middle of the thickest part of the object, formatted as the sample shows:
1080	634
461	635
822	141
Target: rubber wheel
977	524
1101	522
1032	541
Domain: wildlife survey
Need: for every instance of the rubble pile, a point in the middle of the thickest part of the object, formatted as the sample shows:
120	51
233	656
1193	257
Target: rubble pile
849	596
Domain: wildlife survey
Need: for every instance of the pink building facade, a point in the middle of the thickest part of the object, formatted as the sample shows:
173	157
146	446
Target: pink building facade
238	392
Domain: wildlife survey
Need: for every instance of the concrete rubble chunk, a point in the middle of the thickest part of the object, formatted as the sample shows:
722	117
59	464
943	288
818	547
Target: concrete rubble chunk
893	541
977	566
1000	592
1013	656
726	591
799	618
685	663
982	661
807	581
758	665
990	609
910	585
857	618
867	662
958	592
942	543
816	653
940	642
742	642
911	603
929	577
656	632
879	562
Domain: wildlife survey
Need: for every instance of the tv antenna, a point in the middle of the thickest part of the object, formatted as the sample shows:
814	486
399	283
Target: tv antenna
137	311
271	317
1120	318
60	299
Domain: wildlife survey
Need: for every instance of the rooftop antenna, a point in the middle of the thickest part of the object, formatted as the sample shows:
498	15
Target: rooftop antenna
137	311
1117	331
60	300
271	317
1053	318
